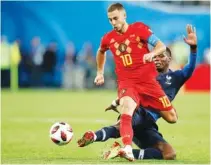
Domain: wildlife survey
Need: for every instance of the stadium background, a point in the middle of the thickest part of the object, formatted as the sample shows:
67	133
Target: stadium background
48	62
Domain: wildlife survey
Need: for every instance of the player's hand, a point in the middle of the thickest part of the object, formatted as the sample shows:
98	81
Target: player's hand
112	107
148	57
99	79
191	38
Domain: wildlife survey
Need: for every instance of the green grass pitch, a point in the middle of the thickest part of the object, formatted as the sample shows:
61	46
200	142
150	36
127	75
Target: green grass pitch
27	116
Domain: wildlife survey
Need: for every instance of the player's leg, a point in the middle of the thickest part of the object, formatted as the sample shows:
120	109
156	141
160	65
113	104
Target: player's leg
147	150
167	150
153	145
108	132
128	106
100	135
138	120
128	102
162	151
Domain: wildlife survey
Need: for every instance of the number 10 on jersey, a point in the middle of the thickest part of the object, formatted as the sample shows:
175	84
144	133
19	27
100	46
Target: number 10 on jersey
126	59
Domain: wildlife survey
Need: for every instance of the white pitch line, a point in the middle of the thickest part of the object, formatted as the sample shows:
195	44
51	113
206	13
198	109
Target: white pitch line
52	120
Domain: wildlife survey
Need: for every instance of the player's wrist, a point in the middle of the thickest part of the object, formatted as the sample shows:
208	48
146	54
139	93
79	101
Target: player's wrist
100	72
115	103
193	48
152	54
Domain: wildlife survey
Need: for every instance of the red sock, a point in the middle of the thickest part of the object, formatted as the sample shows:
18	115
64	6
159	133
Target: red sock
126	130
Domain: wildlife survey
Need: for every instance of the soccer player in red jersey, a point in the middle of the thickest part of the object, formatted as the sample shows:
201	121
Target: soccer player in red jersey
135	70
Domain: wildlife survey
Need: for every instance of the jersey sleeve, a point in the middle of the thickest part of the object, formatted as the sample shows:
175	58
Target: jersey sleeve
104	43
143	31
188	69
185	73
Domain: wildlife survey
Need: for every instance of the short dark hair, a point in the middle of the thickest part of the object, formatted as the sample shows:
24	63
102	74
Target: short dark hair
168	51
115	6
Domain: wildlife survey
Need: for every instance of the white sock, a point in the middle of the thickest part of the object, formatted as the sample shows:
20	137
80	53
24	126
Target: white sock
104	134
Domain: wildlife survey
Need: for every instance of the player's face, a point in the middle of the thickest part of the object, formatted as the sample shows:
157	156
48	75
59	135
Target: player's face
117	19
161	62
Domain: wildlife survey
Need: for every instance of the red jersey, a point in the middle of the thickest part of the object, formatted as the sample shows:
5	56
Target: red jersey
128	50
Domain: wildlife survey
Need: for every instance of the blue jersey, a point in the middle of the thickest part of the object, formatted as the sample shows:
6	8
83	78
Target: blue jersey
172	81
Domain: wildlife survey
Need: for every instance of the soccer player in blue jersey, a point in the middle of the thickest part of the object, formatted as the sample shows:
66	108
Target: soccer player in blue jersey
146	136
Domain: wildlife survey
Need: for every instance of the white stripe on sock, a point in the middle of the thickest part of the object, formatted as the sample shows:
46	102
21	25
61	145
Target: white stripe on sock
141	154
104	134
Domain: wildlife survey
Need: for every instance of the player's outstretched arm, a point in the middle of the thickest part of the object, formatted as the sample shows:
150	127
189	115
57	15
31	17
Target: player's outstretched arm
191	40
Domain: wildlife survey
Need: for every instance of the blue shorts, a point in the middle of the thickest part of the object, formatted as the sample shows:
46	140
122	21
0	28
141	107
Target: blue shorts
147	138
145	130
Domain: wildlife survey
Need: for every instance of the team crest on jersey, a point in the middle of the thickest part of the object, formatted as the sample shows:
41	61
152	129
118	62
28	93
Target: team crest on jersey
122	92
168	79
122	47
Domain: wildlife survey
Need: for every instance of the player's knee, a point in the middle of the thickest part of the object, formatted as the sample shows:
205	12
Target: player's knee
170	155
128	105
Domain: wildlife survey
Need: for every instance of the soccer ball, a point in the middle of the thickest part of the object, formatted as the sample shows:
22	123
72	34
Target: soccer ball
61	133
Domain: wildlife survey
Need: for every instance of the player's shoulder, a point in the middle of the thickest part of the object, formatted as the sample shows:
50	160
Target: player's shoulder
139	25
109	34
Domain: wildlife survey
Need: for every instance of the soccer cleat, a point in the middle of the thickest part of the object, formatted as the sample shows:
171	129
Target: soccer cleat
87	139
126	153
113	152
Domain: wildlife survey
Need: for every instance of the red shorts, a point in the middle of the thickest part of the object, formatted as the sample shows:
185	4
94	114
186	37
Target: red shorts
147	95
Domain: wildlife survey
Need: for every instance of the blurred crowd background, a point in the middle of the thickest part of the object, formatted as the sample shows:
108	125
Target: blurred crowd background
53	44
